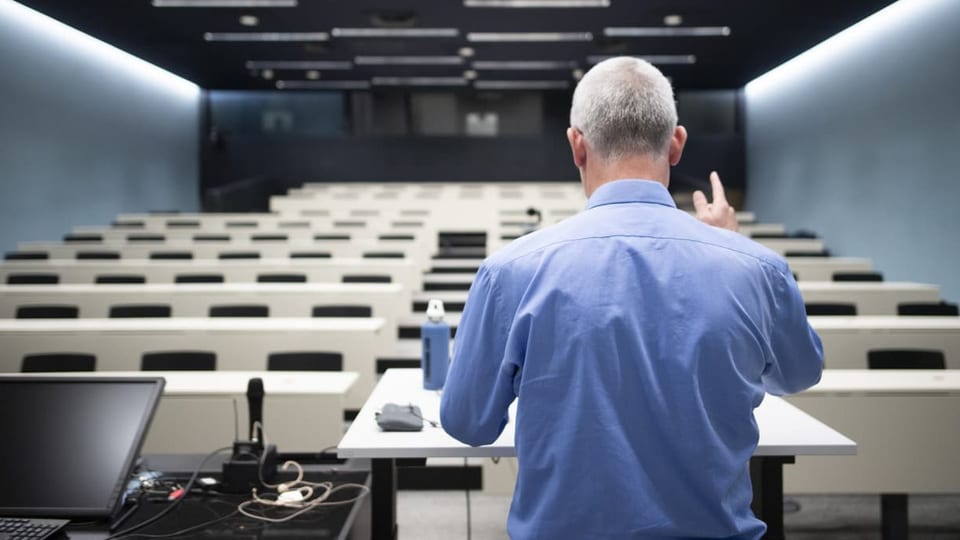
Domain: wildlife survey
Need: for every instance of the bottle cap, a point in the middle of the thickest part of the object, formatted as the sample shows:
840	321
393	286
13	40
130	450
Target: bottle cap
435	310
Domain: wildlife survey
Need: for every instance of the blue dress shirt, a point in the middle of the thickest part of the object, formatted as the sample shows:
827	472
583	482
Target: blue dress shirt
638	342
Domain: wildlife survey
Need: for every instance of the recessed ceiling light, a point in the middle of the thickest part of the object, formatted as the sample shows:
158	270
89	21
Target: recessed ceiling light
249	20
466	52
298	64
266	36
323	85
267	74
536	3
673	20
225	3
313	74
408	60
396	32
660	59
577	74
470	74
521	85
528	36
523	64
419	81
659	31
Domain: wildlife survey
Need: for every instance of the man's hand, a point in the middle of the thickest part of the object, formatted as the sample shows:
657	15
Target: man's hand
719	213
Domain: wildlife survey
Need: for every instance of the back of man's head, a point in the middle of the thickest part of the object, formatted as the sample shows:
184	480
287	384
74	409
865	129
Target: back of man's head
624	107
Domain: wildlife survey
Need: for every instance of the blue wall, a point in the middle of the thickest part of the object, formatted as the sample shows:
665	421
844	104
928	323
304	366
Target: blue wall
86	132
859	140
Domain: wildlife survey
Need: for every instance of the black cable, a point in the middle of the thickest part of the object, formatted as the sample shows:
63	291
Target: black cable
176	503
188	529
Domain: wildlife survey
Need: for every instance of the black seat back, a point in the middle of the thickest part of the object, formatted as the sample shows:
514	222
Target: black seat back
240	310
342	311
905	359
305	361
46	362
178	361
827	308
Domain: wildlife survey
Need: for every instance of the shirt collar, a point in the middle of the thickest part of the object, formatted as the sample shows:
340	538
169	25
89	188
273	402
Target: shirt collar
631	191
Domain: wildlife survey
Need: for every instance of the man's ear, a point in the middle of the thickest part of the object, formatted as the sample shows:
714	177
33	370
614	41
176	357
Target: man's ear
578	147
677	143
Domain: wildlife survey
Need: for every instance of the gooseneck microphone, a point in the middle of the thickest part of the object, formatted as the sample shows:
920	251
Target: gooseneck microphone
255	408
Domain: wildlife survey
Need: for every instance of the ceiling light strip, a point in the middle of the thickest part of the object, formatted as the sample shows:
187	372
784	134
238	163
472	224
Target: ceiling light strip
224	3
659	59
523	64
419	81
667	31
521	85
536	3
408	60
266	36
323	85
396	32
298	64
506	37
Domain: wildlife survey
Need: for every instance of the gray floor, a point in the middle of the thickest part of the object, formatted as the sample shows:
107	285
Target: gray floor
441	515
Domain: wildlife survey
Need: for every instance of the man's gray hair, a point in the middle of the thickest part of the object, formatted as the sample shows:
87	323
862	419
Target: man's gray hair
624	106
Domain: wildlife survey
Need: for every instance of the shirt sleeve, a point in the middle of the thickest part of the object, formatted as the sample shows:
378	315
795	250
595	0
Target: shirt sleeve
797	353
479	385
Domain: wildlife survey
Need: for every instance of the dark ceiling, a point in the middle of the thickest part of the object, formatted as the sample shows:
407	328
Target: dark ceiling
762	34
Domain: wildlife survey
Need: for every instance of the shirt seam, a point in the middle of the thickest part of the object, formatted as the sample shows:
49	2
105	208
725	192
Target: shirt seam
679	239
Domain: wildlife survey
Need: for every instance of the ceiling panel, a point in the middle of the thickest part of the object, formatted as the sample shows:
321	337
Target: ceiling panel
762	34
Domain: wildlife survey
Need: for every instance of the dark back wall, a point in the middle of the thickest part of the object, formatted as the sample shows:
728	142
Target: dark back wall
264	143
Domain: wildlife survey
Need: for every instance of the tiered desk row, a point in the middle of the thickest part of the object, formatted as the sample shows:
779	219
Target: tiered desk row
347	269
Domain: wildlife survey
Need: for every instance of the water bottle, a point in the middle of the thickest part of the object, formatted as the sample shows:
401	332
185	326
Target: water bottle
435	358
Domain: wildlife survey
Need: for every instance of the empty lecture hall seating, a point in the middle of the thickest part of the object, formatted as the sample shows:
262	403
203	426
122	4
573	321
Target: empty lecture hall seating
336	277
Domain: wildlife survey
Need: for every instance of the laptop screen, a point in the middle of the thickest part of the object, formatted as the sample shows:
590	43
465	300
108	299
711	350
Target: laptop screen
69	444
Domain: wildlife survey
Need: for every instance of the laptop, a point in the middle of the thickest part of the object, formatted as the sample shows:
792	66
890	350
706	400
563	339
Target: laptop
70	443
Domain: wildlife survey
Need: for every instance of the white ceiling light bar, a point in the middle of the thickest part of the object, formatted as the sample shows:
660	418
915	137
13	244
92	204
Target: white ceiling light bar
524	65
536	3
419	81
266	36
298	64
323	85
667	31
659	59
521	85
408	60
224	3
506	37
396	32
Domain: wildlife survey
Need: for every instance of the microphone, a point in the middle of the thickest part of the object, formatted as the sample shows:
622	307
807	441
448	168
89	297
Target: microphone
255	407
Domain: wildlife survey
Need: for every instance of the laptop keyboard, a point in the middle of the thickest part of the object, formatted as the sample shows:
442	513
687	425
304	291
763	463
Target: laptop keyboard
30	528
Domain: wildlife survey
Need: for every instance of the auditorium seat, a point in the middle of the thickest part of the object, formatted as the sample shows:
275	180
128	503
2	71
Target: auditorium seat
27	256
198	278
240	310
282	278
179	361
358	278
825	308
310	255
33	279
905	359
97	256
857	276
305	361
48	362
48	312
383	255
230	255
342	311
132	311
120	279
938	309
171	256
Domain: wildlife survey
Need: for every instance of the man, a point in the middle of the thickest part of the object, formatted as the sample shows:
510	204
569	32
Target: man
637	339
